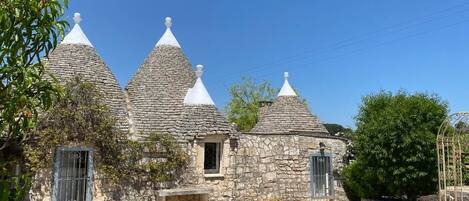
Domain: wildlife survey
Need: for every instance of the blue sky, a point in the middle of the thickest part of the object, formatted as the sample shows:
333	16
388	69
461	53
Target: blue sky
336	51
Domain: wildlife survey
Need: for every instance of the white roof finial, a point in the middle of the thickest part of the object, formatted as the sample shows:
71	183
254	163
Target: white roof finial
77	18
168	37
286	89
76	35
167	22
199	71
198	95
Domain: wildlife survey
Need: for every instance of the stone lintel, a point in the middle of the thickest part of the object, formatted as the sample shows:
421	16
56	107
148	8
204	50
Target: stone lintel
185	191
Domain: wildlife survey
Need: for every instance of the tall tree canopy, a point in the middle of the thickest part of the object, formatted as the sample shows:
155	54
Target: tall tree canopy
395	145
29	31
243	107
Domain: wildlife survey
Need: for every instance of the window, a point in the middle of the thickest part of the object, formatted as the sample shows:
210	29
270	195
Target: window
212	154
73	172
321	176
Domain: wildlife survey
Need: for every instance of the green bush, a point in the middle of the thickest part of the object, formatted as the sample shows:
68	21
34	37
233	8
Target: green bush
358	184
395	145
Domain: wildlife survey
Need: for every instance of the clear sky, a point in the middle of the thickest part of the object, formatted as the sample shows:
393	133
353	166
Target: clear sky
336	51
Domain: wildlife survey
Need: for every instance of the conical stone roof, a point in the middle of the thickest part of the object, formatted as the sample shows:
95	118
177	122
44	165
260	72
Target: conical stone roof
200	116
202	120
155	94
288	114
77	57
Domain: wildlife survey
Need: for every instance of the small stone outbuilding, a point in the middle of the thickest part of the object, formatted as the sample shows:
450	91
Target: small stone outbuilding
288	155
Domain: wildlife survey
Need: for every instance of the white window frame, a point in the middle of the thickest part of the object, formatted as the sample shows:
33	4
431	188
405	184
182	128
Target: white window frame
219	157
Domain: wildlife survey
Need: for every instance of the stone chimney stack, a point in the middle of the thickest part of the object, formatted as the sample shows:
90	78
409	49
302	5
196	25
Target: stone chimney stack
263	108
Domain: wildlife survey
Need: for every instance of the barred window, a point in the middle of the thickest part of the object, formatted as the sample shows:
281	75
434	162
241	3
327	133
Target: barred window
73	174
322	181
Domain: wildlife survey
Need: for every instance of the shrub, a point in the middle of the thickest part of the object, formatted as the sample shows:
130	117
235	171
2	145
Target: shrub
395	145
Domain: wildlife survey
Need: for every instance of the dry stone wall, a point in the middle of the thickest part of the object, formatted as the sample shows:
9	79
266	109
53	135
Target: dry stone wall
255	167
277	166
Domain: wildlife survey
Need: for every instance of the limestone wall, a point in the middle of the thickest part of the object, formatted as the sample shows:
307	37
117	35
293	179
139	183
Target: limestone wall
254	167
277	166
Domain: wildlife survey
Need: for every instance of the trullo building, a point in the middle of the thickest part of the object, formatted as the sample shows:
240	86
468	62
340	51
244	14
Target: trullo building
288	155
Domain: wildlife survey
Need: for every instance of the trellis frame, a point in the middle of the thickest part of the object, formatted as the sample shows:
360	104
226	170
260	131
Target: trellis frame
449	153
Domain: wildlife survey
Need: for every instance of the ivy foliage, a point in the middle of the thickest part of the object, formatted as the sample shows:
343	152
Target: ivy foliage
395	145
29	31
174	158
81	119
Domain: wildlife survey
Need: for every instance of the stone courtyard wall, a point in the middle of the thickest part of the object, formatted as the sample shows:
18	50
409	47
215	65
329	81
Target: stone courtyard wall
254	167
270	167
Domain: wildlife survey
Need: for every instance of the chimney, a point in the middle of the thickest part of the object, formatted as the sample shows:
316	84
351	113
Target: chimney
263	108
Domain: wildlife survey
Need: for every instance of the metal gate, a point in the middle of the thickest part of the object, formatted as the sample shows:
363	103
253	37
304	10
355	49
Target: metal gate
73	174
322	179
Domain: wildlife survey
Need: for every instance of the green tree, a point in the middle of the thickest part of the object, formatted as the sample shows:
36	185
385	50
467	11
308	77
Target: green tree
243	107
29	31
395	145
338	130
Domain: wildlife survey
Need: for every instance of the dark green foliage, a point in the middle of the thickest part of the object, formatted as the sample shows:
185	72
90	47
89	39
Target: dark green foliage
163	146
14	187
338	130
29	31
243	107
360	181
395	145
80	118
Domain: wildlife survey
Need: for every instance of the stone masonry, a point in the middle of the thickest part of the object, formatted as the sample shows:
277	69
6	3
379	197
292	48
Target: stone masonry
277	166
270	162
156	92
286	114
69	60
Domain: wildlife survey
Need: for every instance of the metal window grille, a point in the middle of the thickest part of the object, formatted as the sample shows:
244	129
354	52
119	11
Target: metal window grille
212	153
73	172
322	179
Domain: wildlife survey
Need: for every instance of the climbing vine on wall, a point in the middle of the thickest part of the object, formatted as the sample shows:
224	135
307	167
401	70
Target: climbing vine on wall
163	147
81	119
